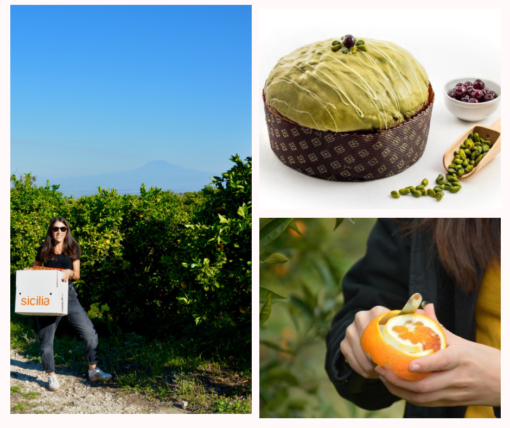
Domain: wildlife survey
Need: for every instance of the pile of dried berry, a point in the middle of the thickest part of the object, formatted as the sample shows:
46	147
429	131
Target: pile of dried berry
469	92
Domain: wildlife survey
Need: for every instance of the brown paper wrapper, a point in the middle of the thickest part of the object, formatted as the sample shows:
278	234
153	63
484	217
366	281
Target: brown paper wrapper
353	156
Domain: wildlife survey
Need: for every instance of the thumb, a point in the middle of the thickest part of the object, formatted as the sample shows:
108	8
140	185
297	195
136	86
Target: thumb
451	338
445	359
430	311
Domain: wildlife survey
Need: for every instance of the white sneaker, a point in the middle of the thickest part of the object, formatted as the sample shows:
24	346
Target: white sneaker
53	383
98	375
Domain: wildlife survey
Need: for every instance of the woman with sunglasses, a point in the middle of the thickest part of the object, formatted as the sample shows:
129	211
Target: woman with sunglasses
60	250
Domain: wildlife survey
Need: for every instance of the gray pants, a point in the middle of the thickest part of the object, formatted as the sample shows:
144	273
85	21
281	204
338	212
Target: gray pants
81	322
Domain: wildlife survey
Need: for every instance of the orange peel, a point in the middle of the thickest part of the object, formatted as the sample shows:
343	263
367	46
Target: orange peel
401	340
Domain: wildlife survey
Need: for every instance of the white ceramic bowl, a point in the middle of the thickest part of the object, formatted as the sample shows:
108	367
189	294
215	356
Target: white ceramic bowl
471	112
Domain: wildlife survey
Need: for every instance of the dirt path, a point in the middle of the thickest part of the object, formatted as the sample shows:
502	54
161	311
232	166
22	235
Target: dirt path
76	395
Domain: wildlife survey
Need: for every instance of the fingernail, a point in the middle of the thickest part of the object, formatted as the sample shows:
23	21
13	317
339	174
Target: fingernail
414	367
380	370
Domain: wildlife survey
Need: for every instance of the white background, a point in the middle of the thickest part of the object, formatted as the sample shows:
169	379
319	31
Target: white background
444	42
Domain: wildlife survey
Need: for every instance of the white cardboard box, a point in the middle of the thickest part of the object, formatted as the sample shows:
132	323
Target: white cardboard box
41	292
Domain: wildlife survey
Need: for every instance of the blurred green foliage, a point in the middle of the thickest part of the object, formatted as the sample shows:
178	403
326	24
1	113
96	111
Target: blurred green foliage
293	382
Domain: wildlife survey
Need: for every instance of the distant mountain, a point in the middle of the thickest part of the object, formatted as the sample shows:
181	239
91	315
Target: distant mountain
154	174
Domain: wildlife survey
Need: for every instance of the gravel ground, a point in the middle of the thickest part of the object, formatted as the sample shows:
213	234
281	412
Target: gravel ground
77	395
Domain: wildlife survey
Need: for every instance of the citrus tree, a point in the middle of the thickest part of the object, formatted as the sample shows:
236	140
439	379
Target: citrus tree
215	260
157	263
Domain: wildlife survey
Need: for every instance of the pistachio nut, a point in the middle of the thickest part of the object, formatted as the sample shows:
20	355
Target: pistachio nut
478	159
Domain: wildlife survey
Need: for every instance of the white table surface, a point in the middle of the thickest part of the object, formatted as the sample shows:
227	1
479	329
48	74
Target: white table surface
443	44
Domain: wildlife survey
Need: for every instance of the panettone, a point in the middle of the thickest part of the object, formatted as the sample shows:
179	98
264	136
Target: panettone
334	105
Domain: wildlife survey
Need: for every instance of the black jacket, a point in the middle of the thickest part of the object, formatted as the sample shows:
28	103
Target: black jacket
394	268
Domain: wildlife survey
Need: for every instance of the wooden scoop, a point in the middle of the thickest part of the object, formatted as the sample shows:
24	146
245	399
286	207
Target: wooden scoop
410	307
493	134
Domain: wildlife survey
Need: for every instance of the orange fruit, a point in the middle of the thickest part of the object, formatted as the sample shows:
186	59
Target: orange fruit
302	228
280	269
402	339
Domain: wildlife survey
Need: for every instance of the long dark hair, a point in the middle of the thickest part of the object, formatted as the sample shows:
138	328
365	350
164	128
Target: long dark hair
465	246
70	246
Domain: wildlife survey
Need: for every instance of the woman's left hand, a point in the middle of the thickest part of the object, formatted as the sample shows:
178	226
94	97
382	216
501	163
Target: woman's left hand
465	373
67	275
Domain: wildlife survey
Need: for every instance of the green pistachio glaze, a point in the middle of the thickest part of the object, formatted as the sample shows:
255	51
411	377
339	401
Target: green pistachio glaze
333	91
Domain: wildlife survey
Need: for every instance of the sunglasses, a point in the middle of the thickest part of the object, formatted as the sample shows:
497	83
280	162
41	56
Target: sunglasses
62	229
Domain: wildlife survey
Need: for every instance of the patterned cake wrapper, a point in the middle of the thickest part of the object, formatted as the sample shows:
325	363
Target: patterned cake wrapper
349	156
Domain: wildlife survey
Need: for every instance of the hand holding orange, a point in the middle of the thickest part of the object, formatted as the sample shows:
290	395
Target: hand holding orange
351	347
465	373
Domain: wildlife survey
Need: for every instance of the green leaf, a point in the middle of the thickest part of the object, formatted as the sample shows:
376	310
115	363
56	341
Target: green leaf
276	347
273	229
265	311
338	222
302	306
222	219
265	293
294	227
310	298
297	404
275	258
323	269
280	375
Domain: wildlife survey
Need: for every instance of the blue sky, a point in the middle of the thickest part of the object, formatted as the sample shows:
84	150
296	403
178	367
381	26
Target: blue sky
98	89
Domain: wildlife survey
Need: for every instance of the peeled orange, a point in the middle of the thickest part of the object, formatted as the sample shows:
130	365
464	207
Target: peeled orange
401	340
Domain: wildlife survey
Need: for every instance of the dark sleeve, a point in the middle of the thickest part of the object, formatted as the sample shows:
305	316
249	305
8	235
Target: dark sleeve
38	256
497	412
381	277
78	252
